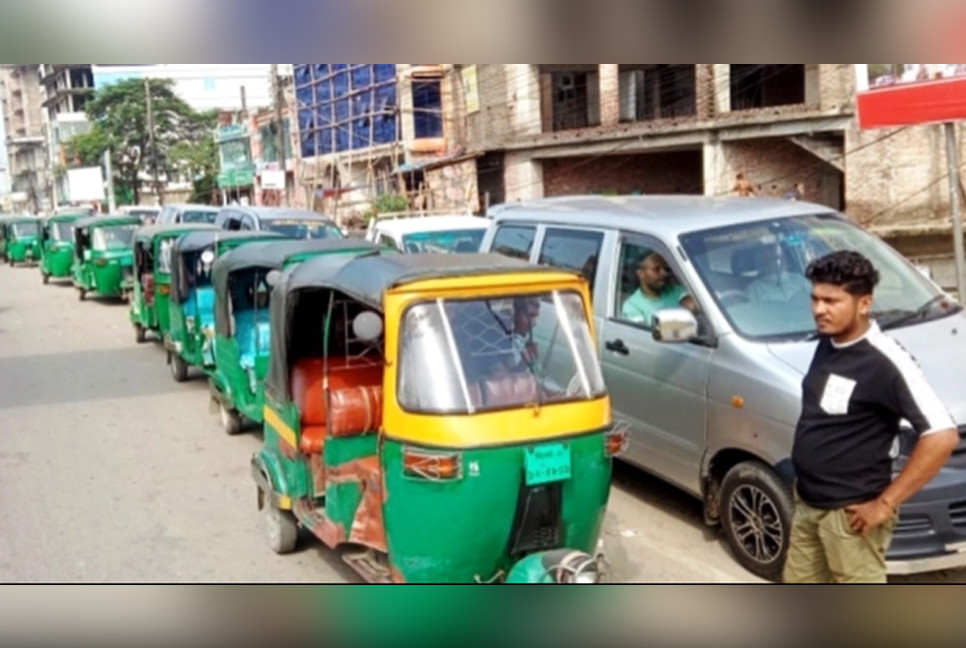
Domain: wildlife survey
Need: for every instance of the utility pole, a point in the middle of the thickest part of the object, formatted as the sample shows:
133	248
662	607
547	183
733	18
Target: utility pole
952	158
154	149
111	204
277	100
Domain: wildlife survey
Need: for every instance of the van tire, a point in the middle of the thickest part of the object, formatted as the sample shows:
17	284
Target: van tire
230	420
179	368
281	529
756	514
140	335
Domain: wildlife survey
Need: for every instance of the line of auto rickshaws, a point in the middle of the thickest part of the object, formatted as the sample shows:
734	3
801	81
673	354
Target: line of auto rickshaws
443	415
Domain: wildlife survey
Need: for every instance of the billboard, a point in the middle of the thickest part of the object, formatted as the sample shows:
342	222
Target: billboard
902	94
85	184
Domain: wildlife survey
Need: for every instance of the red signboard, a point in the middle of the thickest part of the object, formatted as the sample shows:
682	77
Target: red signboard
904	94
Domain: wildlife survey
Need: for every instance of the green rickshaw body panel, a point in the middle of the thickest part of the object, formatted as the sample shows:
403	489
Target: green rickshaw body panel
23	250
443	532
106	273
289	476
240	378
57	260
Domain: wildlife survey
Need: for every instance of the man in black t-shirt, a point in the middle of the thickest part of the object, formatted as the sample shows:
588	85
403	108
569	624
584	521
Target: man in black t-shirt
859	388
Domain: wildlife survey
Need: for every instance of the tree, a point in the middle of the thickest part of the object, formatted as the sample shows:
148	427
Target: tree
198	158
119	116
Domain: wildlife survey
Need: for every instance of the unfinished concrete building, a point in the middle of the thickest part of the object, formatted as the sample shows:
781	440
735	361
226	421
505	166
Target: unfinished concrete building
20	91
549	130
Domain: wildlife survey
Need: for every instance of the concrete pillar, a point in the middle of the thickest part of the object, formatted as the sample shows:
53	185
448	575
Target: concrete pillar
722	88
610	83
716	180
523	96
705	90
813	84
523	177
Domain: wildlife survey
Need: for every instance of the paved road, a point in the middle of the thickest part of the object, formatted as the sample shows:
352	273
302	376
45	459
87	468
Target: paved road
112	472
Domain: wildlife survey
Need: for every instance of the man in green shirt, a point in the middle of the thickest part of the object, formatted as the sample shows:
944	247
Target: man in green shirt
658	290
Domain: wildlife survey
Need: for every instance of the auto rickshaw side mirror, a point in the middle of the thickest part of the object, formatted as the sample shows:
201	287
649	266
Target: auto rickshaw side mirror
367	326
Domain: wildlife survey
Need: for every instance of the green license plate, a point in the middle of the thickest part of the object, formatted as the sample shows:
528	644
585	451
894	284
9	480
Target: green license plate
547	463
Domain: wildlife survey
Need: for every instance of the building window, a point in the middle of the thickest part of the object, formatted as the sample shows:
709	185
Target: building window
574	98
428	108
649	91
764	85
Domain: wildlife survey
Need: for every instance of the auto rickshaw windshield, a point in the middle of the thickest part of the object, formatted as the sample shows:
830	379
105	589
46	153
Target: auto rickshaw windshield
25	229
116	237
306	229
62	232
465	356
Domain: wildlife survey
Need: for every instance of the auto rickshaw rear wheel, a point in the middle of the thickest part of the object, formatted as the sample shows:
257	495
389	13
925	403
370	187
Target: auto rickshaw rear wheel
46	277
282	530
179	368
81	294
230	420
140	335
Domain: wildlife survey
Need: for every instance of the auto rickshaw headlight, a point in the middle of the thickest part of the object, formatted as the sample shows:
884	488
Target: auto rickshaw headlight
432	466
578	568
100	263
615	441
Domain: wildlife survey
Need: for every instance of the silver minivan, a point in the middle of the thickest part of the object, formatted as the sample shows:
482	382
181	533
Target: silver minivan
712	396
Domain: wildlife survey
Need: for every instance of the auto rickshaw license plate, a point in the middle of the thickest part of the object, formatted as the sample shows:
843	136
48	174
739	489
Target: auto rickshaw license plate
547	463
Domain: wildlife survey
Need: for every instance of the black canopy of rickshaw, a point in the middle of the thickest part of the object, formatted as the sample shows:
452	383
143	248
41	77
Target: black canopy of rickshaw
366	278
148	232
197	241
269	256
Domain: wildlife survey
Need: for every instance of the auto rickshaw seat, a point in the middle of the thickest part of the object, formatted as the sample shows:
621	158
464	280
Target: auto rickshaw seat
511	390
356	399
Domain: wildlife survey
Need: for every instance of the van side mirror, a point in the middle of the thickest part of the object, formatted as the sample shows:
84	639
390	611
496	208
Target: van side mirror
675	326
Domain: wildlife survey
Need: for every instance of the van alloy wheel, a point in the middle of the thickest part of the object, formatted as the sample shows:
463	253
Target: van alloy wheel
756	515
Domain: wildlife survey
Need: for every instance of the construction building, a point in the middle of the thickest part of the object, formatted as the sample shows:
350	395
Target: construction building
549	130
21	94
372	130
66	90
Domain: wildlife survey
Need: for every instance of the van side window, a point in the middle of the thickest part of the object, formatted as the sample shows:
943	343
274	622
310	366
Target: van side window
646	282
573	249
514	241
387	241
233	223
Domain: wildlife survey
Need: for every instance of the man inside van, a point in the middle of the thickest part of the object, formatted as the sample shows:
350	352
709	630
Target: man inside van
657	290
860	386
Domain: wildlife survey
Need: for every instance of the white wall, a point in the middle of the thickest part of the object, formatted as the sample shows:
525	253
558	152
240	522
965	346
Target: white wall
204	86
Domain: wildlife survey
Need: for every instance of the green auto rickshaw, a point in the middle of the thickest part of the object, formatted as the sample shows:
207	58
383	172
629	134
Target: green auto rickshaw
57	245
192	303
22	240
152	276
102	255
446	414
242	320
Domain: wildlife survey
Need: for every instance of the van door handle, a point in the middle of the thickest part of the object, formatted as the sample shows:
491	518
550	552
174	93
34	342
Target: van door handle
618	346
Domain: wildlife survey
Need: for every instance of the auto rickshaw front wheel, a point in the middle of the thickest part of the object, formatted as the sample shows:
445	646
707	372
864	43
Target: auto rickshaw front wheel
140	335
46	277
179	368
81	294
230	420
281	528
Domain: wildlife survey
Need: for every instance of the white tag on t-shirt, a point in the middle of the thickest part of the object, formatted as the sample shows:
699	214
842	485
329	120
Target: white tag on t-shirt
838	393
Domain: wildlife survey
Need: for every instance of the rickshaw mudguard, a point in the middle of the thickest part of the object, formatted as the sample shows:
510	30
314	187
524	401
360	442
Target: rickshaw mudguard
542	568
270	476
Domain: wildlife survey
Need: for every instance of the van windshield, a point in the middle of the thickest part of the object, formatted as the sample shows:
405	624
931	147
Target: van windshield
199	216
303	229
756	273
444	242
465	356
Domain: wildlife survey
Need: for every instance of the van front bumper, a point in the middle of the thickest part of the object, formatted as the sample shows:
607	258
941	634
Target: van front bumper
931	534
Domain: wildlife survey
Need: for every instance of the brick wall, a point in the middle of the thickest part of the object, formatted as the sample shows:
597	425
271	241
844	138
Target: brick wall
676	172
488	127
774	166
